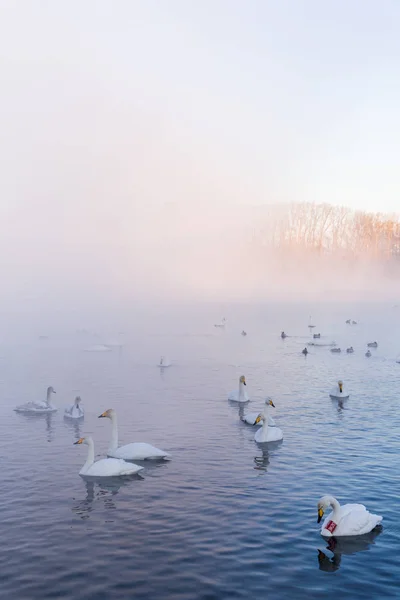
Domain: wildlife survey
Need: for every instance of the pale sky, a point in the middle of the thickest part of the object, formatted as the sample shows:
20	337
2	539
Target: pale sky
108	107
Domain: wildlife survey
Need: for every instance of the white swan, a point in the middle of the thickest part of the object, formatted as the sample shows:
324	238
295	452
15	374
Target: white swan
38	407
338	392
251	418
75	411
164	362
134	451
267	433
240	395
105	467
350	519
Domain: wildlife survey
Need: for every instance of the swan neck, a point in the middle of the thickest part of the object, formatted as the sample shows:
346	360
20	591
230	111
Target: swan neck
48	397
265	423
334	504
241	389
90	456
114	433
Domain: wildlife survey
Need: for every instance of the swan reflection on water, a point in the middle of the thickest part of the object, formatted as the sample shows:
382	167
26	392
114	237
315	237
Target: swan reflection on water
339	546
75	425
47	417
105	491
262	462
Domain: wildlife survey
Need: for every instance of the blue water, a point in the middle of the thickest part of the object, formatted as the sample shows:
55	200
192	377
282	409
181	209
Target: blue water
224	518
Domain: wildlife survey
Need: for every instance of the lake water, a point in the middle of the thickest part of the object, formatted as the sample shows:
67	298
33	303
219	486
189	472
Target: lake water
224	518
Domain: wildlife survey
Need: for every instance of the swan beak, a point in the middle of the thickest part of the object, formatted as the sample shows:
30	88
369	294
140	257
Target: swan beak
340	387
271	403
104	414
80	441
320	514
244	382
257	420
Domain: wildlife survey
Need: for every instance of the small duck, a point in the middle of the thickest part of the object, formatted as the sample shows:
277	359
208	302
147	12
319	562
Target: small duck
283	335
354	322
368	353
336	350
348	321
372	345
316	336
350	350
305	351
244	333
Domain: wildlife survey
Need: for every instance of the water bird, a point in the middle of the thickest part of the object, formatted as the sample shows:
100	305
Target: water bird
316	336
133	451
304	351
267	433
75	411
372	345
339	392
368	353
348	321
346	520
38	407
350	350
244	333
240	395
251	417
105	467
164	362
336	350
283	335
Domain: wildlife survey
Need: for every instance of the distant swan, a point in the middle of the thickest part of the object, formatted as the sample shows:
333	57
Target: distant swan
251	418
98	348
339	392
133	451
164	362
75	411
267	433
349	519
38	407
105	467
240	395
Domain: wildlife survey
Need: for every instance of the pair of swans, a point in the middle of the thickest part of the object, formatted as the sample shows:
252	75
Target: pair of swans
346	520
269	432
116	464
75	411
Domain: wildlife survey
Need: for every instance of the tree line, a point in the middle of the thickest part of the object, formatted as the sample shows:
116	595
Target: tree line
330	230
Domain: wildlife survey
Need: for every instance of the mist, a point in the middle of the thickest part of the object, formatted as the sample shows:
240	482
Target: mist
131	175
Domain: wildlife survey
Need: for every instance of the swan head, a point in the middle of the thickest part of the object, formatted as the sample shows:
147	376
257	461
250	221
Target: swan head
50	390
242	379
86	440
78	400
261	416
340	384
323	503
108	414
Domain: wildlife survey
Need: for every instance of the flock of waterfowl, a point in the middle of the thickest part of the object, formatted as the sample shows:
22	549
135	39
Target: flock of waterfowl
116	464
347	520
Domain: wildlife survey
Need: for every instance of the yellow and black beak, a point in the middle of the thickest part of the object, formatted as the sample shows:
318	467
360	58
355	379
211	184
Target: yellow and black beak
320	514
80	441
271	403
104	414
244	382
341	387
257	420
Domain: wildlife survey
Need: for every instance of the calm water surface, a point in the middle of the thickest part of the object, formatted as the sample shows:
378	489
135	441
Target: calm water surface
225	518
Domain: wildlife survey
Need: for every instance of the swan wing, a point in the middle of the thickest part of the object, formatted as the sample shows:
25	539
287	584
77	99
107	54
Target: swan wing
138	451
111	467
